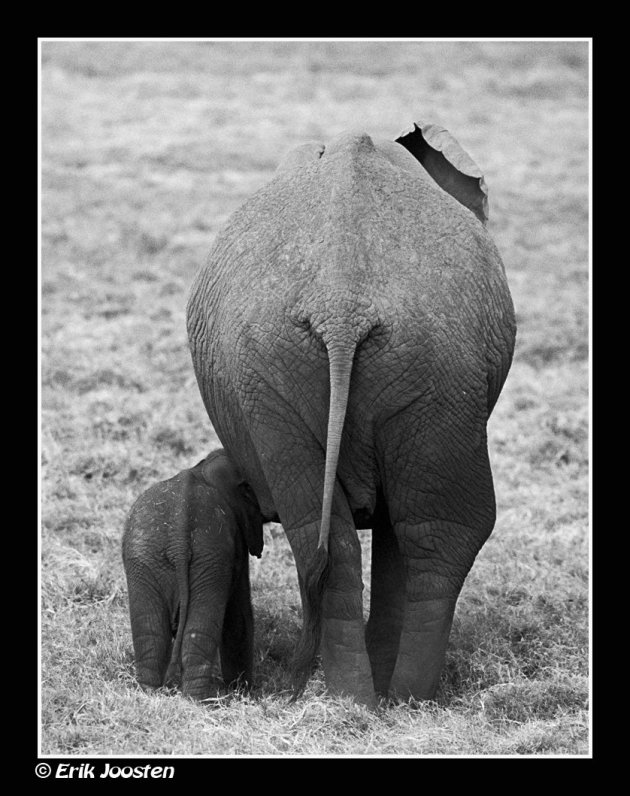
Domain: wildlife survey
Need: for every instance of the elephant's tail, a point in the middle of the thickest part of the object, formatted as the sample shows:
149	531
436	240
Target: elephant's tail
340	358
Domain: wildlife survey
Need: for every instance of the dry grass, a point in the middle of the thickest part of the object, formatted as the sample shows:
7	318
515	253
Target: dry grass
146	149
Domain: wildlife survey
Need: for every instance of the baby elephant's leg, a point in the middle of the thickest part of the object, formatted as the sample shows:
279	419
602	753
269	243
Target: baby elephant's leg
151	609
237	640
151	585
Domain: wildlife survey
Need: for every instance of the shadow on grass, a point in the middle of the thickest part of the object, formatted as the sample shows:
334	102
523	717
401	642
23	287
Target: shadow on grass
518	661
508	660
274	644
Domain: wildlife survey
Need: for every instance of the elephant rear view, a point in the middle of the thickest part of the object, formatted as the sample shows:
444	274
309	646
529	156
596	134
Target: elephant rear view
351	332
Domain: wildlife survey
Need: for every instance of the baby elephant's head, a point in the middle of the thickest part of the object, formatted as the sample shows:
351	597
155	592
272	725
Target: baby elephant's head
219	472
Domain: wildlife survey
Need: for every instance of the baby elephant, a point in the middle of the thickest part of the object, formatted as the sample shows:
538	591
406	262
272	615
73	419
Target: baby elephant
185	549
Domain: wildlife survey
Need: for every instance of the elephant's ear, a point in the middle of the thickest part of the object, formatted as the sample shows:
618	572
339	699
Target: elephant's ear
253	521
451	168
254	538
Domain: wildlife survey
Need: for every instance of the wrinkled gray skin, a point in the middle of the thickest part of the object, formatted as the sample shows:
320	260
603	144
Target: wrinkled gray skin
185	552
352	281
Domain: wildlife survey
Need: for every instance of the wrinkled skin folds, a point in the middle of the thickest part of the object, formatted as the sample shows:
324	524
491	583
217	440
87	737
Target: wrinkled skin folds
351	332
185	552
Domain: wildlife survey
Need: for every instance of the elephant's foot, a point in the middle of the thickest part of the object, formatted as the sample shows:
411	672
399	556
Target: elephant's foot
425	632
149	689
150	679
197	681
345	660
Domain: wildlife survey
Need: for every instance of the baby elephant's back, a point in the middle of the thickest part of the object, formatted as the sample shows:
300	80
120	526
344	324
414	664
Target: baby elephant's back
169	513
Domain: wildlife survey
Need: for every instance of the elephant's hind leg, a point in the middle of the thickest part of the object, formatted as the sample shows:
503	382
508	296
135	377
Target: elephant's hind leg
209	591
437	555
151	609
343	651
387	601
441	504
423	639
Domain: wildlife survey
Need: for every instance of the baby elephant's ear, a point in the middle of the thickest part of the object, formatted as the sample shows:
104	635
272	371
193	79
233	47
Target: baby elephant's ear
254	537
451	168
253	530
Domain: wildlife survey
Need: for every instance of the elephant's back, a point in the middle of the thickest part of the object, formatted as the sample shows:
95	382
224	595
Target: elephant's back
349	233
353	224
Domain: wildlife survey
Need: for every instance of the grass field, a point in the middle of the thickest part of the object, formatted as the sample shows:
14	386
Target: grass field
147	147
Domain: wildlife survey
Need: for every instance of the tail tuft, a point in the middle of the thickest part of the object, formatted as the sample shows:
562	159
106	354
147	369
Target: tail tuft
308	643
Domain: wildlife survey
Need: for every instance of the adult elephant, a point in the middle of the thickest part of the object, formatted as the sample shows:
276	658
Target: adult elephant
350	333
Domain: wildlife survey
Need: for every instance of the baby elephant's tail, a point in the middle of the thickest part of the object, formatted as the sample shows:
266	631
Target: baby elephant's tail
182	554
